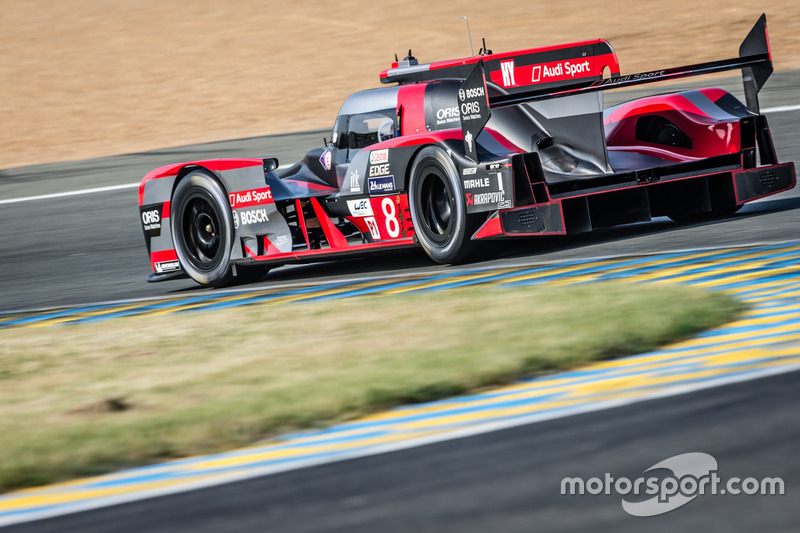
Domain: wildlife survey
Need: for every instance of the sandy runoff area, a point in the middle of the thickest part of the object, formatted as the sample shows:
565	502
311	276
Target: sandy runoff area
88	78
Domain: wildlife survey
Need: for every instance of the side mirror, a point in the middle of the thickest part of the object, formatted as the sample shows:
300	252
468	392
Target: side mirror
270	164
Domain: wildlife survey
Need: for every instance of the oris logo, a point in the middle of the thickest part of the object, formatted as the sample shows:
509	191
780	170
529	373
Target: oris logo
151	217
446	113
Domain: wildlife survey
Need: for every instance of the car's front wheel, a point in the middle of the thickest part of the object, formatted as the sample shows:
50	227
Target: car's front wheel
438	208
202	228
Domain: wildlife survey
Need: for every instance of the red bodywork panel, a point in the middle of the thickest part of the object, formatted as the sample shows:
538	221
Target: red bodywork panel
710	135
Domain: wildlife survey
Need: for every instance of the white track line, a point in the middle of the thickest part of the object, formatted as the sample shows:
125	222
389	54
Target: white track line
779	109
81	192
69	193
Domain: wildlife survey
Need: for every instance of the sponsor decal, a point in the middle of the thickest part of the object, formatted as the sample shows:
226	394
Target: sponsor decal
507	68
251	198
491	192
473	108
447	115
472	92
151	219
470	108
381	184
354	186
249	216
379	170
378	156
480	183
325	159
493	166
469	171
640	76
485	198
167	266
509	74
374	229
468	139
360	208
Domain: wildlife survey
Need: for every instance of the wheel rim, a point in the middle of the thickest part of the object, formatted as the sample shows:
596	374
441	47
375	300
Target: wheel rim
437	205
201	225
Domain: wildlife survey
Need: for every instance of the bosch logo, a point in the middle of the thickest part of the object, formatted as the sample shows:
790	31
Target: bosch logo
462	94
253	216
151	217
475	92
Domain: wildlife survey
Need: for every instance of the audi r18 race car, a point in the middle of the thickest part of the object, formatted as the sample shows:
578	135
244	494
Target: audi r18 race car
452	153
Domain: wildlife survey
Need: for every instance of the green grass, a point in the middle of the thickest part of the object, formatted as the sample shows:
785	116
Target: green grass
88	399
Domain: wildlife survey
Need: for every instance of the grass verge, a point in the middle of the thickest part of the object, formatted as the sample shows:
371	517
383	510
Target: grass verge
87	399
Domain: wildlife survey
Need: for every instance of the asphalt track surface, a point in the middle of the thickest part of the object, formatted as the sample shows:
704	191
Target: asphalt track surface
84	248
510	480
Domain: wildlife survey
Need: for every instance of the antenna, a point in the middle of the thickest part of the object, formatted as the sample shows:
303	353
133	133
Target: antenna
469	36
486	51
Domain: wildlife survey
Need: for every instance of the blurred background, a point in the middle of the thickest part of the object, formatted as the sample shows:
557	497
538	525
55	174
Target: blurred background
89	78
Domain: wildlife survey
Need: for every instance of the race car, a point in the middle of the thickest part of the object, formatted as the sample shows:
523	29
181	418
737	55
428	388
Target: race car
452	153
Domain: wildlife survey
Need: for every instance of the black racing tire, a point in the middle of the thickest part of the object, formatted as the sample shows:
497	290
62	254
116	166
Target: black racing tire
438	208
202	228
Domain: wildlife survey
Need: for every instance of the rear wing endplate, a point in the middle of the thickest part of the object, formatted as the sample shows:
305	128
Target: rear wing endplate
755	61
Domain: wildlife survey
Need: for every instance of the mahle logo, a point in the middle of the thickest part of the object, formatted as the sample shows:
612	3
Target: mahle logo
692	474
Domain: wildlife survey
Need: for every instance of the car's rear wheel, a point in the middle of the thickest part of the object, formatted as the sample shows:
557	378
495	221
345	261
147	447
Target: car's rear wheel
438	208
202	228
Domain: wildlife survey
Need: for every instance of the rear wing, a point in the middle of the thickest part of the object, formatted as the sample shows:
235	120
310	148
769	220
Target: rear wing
755	61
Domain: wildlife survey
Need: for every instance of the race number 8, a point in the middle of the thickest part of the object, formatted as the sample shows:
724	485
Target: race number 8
390	212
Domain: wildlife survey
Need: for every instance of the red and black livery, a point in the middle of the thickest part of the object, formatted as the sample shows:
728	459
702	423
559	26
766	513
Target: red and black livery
455	152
